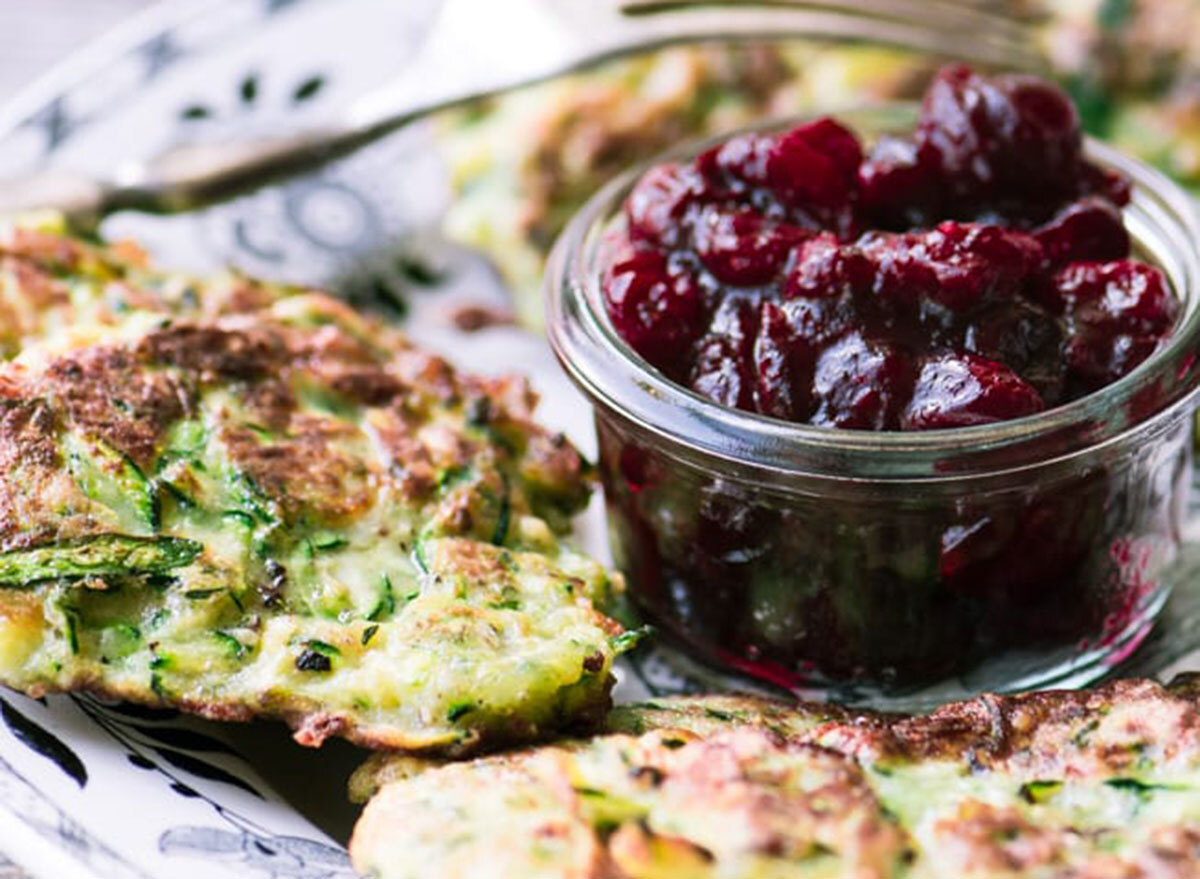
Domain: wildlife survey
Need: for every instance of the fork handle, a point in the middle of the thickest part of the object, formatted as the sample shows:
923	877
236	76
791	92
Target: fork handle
196	175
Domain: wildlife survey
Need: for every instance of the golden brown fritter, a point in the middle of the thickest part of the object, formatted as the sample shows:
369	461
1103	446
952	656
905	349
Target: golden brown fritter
246	499
1096	783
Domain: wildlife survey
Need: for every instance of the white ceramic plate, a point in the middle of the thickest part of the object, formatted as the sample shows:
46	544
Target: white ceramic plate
112	792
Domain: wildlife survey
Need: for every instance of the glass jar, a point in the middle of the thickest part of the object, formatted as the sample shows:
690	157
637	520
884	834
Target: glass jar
893	568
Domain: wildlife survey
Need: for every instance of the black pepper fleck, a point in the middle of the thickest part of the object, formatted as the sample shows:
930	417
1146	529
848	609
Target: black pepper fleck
311	660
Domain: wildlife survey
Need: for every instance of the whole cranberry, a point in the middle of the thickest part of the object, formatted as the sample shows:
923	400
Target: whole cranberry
1025	337
1116	313
1039	141
658	310
738	163
1122	295
783	362
960	390
895	189
861	384
809	172
955	131
999	137
1088	229
814	169
656	207
723	364
722	374
1106	183
976	263
960	266
826	269
741	247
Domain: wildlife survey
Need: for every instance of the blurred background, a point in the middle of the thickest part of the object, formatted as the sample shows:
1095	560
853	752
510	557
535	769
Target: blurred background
34	34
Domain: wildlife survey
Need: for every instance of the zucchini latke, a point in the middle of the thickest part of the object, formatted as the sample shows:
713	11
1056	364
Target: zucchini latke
242	499
1095	783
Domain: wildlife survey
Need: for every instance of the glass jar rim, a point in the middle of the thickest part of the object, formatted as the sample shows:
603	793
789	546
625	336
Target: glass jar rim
1163	223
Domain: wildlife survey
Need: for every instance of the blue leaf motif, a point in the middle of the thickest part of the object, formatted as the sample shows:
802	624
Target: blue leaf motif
201	769
183	739
44	742
280	857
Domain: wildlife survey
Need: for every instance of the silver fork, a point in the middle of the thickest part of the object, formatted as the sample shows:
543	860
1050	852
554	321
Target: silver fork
480	47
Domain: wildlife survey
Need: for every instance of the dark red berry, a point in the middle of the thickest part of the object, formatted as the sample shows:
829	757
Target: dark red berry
895	190
737	163
814	169
861	384
825	269
975	263
808	174
659	312
1116	313
959	266
742	248
722	373
656	207
955	132
1088	229
1122	295
1025	337
960	390
1106	183
831	139
1039	145
783	364
999	138
723	365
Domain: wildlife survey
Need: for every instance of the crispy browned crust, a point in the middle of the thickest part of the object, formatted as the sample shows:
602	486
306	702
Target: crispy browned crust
1047	733
304	471
105	392
213	353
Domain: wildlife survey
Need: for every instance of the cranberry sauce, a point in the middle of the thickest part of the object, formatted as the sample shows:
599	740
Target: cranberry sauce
976	272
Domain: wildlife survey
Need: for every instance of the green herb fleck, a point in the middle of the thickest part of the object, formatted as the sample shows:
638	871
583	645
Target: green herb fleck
327	541
71	616
386	605
420	559
1143	790
236	648
626	641
196	594
1039	791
